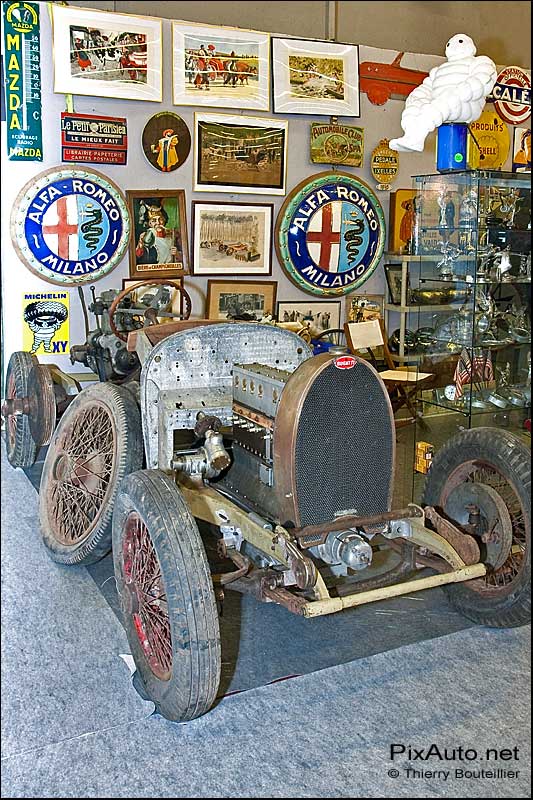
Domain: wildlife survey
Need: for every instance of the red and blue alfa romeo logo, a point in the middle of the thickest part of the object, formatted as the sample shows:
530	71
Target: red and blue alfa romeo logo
330	233
70	226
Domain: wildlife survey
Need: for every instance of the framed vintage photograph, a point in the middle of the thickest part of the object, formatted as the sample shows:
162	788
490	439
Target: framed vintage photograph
159	244
240	154
312	77
104	54
320	314
220	66
232	238
163	297
364	307
393	274
248	299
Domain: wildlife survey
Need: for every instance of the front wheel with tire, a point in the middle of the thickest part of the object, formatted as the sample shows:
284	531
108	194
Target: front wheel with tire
481	480
21	448
97	442
167	597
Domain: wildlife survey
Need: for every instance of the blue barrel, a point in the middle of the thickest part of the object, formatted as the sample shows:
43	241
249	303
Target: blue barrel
452	141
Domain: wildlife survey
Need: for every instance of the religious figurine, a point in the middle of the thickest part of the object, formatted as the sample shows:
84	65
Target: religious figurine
455	91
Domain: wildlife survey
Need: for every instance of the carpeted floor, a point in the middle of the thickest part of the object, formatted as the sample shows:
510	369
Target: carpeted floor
73	726
290	645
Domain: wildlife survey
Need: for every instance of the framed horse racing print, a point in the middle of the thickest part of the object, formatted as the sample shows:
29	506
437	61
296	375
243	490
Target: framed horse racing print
104	54
220	67
313	77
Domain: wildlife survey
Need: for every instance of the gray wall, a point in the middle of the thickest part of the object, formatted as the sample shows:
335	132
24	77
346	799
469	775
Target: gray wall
501	30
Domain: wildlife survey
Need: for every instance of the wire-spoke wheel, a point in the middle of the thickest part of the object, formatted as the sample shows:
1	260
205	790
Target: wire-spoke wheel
20	446
96	444
482	478
167	597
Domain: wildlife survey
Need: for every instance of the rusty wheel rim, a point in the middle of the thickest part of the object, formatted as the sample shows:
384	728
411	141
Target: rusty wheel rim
82	474
502	580
11	419
145	597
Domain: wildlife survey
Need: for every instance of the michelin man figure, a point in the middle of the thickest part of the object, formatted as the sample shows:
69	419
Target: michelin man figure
44	319
455	91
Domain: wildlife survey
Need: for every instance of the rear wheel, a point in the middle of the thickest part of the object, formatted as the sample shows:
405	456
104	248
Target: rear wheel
20	446
167	597
97	442
482	477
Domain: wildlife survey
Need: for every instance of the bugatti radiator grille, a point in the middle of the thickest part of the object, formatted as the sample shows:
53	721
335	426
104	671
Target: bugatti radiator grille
344	446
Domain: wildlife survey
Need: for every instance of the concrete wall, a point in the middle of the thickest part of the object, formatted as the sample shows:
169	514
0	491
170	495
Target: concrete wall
501	30
378	122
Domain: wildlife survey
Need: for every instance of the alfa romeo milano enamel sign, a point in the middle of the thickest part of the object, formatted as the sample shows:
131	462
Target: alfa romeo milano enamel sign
330	233
70	226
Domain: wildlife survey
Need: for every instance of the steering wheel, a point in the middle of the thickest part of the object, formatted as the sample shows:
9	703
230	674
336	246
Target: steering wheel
335	336
150	312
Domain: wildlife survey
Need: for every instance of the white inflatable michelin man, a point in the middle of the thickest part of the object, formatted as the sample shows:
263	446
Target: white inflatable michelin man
455	91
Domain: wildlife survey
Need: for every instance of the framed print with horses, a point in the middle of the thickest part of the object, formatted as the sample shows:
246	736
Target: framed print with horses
313	77
237	154
103	54
220	67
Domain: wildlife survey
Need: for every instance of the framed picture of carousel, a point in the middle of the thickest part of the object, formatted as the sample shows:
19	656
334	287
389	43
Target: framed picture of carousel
220	66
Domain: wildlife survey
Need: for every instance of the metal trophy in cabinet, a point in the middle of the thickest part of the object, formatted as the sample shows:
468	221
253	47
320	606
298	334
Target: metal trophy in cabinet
472	246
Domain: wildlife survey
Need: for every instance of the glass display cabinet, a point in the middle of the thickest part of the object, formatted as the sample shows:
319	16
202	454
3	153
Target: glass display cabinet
472	254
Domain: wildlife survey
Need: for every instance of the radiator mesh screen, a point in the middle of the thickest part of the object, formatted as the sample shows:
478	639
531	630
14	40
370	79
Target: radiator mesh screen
344	446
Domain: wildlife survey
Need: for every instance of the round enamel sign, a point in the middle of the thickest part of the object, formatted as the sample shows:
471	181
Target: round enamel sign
512	95
70	226
330	233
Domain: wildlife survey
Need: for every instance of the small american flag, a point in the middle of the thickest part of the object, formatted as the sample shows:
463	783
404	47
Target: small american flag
469	369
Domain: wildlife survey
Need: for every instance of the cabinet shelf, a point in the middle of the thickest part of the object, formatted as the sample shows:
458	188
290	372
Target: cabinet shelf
464	351
421	309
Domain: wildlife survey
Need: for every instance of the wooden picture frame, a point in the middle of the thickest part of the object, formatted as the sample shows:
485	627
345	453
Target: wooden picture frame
315	77
322	315
240	154
230	299
159	243
219	66
232	238
104	54
364	307
393	274
176	305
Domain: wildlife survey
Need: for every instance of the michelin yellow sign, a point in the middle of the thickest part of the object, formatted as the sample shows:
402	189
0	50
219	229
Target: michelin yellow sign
45	318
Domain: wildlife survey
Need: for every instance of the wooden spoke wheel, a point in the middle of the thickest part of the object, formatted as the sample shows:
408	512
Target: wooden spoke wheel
167	596
97	442
21	447
482	478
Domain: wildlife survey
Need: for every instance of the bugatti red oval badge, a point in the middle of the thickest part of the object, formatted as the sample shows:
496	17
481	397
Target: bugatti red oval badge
345	362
